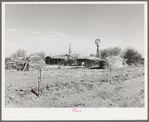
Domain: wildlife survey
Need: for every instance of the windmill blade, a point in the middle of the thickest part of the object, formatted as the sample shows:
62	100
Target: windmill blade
97	41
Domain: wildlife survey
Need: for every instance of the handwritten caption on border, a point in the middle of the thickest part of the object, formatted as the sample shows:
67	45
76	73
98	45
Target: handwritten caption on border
76	110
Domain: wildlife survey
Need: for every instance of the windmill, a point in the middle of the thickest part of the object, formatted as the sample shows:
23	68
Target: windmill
97	42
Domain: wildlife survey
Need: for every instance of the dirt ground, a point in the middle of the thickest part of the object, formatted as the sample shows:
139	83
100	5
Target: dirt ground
78	87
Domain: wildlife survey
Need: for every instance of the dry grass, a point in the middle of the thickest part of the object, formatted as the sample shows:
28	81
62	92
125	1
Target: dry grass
76	88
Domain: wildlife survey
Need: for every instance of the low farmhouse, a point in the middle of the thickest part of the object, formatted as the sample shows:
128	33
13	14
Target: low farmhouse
58	59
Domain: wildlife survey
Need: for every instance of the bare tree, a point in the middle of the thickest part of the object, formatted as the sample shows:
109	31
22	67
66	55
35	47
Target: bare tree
92	55
19	53
75	56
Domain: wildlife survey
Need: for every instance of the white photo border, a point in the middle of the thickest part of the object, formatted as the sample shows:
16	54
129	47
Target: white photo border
66	113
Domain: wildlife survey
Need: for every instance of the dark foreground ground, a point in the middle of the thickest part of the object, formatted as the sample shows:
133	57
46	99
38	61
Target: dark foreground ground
79	87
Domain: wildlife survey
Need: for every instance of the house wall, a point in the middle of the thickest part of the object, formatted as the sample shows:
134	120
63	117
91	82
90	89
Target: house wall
57	61
80	61
52	61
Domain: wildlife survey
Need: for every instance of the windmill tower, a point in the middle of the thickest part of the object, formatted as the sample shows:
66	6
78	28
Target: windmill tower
98	53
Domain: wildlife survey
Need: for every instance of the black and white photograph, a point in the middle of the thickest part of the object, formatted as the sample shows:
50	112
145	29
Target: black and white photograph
74	58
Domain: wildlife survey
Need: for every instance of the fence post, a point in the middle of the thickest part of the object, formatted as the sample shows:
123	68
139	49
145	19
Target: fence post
38	85
110	75
40	80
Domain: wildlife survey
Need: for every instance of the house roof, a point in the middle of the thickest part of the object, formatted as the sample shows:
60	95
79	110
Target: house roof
90	58
95	58
80	57
59	57
83	57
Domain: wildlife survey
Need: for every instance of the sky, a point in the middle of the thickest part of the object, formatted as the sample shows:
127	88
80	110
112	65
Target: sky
50	28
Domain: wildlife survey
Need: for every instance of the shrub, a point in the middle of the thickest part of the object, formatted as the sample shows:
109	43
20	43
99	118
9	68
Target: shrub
104	53
114	51
132	56
110	52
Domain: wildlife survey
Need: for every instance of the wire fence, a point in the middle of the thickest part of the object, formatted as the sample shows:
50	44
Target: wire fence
41	76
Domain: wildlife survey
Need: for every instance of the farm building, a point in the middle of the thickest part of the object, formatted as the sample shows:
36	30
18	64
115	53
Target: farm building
81	60
58	59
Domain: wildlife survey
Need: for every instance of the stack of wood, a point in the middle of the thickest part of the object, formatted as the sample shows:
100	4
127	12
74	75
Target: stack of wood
36	62
10	64
20	63
16	63
115	62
